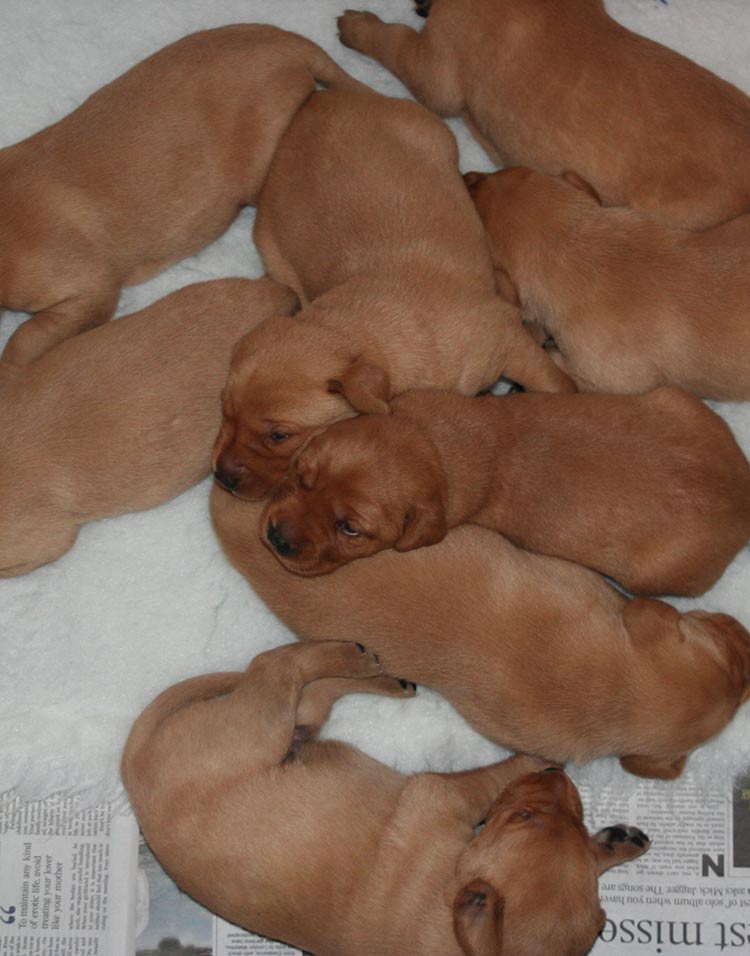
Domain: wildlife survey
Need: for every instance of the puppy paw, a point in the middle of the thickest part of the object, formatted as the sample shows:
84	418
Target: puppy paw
355	27
408	687
625	841
366	662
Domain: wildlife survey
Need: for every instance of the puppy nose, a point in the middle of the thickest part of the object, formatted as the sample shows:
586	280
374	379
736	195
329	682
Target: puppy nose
228	481
279	542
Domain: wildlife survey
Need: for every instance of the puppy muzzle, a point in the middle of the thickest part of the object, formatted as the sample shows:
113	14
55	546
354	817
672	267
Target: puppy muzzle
280	543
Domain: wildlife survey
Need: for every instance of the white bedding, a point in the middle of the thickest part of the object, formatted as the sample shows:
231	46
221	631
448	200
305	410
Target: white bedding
144	600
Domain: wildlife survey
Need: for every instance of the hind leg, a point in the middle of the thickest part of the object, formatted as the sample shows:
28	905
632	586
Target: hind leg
253	726
267	700
318	698
424	65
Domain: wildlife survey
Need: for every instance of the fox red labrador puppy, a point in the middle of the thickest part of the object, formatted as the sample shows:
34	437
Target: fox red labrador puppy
364	214
539	654
316	844
560	84
629	303
120	418
148	170
651	490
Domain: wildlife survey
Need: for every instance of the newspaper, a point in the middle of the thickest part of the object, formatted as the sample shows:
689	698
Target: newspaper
691	892
67	879
84	883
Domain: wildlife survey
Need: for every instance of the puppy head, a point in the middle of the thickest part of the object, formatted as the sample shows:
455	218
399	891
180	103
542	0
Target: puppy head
288	377
363	485
528	880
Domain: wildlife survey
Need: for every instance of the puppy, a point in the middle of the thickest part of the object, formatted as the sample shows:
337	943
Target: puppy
561	85
120	418
365	216
538	654
630	304
375	862
148	170
652	490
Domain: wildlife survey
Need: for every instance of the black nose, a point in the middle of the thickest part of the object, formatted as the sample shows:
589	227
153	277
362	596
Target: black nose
228	481
279	542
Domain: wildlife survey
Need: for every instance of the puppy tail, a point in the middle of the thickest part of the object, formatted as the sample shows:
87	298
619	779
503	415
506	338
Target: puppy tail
187	692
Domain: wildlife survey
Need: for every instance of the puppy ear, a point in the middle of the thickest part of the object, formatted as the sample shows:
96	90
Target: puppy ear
505	287
478	919
306	472
578	182
365	386
660	768
424	524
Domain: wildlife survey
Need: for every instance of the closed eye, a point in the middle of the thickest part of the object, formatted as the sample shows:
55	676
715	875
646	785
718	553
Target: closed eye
344	527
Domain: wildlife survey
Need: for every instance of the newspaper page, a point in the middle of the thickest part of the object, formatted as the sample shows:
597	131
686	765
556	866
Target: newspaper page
690	894
67	879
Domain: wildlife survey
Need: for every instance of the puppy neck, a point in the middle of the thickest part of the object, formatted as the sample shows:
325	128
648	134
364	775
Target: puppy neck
467	445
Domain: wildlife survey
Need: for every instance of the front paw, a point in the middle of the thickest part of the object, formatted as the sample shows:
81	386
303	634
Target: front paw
626	841
355	27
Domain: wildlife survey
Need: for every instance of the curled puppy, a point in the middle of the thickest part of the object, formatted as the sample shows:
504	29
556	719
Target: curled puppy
538	654
561	85
121	418
630	304
365	216
148	170
652	490
216	768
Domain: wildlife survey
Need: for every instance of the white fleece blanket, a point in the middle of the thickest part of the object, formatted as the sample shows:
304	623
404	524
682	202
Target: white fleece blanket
147	599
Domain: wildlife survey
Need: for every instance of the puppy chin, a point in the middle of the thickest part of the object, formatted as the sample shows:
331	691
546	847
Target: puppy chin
255	492
302	567
248	489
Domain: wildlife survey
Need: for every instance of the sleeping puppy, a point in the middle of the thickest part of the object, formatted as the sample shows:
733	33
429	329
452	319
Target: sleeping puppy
365	216
148	170
538	654
561	85
630	304
121	418
652	490
320	846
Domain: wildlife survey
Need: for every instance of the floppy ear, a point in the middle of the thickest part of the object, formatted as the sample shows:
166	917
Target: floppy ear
365	386
505	287
306	472
661	768
424	524
578	182
478	919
